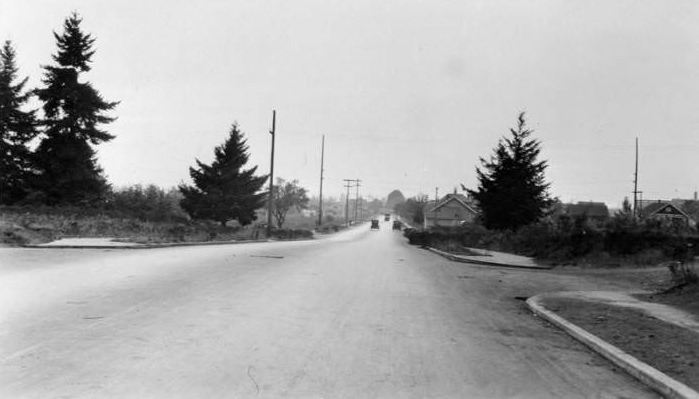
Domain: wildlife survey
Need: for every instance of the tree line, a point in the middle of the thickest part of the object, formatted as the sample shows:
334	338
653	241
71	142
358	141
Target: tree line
62	169
49	158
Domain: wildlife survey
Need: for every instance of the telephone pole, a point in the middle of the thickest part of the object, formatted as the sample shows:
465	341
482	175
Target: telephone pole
436	201
320	197
356	199
271	177
348	184
635	184
361	208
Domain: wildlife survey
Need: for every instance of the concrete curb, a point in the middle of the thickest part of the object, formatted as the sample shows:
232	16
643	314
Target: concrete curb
662	383
457	258
153	246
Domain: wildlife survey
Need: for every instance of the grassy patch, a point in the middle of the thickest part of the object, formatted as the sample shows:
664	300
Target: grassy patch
666	347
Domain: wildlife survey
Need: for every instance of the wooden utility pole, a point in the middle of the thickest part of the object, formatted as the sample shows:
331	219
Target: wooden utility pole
635	184
436	201
271	177
320	197
356	199
348	184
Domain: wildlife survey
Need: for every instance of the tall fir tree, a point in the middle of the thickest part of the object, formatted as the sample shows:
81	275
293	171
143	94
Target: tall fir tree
512	190
17	128
73	113
225	191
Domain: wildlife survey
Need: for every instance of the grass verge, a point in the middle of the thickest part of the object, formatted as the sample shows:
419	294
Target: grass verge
671	349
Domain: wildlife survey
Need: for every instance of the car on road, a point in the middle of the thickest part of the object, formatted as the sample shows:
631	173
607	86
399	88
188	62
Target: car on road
387	217
374	224
397	225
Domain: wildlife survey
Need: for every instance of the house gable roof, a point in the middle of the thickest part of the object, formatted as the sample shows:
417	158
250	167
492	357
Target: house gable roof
663	208
458	198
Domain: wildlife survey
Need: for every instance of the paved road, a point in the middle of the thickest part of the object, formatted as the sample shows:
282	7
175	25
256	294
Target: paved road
358	315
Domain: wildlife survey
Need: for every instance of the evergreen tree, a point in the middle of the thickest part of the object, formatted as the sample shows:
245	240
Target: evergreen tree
73	112
224	191
17	128
512	189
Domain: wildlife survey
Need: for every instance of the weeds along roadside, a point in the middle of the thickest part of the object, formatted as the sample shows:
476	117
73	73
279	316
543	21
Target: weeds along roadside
34	225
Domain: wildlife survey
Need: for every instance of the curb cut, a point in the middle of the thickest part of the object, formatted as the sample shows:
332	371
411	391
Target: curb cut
655	379
457	258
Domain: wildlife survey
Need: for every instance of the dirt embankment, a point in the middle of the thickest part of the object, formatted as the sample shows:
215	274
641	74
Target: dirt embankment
19	228
13	234
27	228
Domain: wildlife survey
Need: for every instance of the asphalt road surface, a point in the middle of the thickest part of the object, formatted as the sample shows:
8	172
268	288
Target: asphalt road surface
358	315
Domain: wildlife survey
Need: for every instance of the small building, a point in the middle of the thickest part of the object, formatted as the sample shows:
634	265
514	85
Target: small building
596	212
451	210
666	211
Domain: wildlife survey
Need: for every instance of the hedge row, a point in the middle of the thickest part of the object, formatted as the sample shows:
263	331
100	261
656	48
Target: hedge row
554	242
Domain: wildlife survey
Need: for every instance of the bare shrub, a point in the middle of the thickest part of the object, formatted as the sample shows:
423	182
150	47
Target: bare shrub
683	273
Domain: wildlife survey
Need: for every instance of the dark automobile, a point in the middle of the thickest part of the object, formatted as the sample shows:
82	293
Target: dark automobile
387	217
397	225
374	224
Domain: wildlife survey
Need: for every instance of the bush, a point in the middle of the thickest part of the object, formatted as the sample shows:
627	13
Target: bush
683	273
567	239
291	234
149	203
330	228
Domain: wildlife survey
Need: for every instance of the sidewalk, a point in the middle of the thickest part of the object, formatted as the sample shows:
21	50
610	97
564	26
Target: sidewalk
111	243
492	258
88	242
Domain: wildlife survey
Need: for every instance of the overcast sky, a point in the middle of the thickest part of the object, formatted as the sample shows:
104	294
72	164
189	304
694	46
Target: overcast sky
409	94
